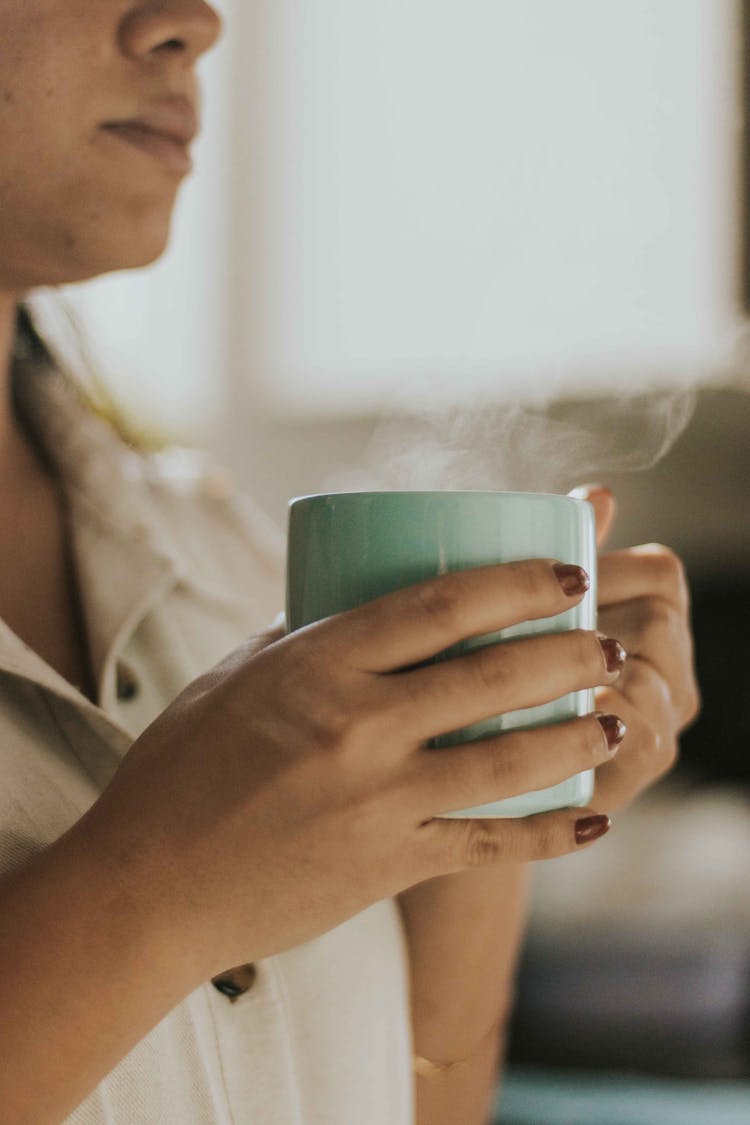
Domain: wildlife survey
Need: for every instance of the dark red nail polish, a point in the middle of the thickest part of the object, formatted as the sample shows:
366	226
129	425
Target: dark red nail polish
590	828
614	729
614	654
573	579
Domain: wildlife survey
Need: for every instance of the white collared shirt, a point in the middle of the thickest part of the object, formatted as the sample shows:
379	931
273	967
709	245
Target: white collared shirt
175	570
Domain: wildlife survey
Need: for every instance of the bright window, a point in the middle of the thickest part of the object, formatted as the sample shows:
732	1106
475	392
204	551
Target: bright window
502	194
525	196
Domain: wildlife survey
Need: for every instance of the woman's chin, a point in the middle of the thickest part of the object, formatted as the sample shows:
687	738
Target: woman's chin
75	259
136	255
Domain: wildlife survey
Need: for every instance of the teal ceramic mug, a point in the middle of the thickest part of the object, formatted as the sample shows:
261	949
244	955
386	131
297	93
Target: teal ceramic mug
345	549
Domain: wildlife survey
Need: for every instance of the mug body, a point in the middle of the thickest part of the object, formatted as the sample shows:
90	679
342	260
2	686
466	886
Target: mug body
345	549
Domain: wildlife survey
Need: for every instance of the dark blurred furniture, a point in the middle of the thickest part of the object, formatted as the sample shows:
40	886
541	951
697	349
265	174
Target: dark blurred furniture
553	1097
677	1006
717	748
680	1010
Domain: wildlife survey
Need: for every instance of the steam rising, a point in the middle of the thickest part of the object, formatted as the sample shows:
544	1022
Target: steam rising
524	448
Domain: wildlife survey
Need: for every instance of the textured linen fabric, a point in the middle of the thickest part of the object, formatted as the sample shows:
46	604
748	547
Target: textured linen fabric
175	571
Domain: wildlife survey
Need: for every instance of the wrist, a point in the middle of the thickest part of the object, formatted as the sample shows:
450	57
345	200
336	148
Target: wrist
137	892
433	1068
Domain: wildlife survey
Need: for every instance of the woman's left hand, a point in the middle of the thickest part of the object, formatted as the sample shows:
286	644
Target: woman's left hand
464	930
644	602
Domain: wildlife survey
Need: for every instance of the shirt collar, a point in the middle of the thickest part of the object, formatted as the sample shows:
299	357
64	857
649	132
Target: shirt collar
125	560
98	473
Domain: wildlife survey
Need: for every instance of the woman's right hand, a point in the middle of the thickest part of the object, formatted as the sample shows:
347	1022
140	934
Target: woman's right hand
288	789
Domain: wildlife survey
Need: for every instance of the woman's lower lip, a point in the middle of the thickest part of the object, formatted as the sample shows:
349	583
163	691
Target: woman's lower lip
172	153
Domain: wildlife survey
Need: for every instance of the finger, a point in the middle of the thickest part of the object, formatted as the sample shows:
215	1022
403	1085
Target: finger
648	691
454	844
492	680
604	505
420	621
653	631
647	752
650	570
520	761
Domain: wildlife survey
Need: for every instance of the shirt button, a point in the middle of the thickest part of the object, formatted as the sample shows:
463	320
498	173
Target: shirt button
236	982
127	684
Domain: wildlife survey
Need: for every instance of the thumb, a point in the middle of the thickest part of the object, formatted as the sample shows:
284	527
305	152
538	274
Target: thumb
604	505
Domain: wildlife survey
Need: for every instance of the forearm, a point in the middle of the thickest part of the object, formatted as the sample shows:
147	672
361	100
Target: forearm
85	972
464	933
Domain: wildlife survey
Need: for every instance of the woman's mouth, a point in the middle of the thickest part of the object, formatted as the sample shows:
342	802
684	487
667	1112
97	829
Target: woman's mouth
173	153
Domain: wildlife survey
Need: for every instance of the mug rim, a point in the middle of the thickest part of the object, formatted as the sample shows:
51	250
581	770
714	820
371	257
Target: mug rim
423	493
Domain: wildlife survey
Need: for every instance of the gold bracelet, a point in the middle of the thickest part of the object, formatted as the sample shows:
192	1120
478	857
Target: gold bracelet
425	1068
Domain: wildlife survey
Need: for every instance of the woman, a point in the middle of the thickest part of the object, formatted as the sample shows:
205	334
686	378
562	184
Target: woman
173	816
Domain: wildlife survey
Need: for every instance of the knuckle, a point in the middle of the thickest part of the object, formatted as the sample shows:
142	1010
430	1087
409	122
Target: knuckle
662	693
651	743
533	579
662	628
668	561
659	756
490	667
669	566
661	615
647	754
593	741
585	649
643	677
480	847
335	726
638	766
439	601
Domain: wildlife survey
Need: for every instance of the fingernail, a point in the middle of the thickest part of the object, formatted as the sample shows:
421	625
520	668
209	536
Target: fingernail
573	579
614	654
614	729
590	828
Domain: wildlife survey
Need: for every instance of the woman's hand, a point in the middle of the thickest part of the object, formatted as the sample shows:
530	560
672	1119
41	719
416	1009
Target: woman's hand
288	789
464	931
644	602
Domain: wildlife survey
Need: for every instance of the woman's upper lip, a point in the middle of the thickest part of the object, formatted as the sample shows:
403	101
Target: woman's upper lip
174	118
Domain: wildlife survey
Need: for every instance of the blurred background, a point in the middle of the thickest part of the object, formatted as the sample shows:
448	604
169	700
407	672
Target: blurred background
530	216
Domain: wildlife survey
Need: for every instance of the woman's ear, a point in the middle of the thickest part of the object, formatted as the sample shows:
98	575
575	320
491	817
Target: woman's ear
604	505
